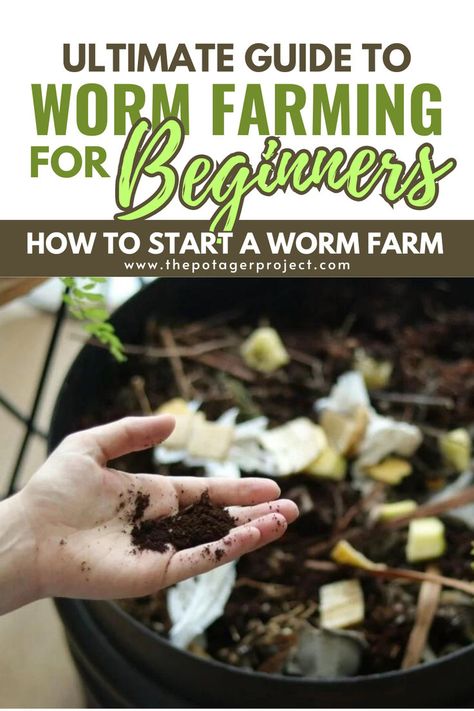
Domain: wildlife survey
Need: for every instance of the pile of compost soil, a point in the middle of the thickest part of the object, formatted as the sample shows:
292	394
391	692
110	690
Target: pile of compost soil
197	524
428	337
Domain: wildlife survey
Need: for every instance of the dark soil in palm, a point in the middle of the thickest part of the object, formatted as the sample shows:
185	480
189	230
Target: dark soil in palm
428	337
202	522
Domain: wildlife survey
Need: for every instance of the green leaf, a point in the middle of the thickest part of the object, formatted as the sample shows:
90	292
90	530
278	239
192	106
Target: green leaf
68	282
81	300
96	314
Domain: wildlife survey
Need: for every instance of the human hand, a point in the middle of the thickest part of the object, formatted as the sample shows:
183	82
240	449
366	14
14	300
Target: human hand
75	533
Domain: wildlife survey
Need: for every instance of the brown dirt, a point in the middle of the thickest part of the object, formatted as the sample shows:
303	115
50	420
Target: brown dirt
202	522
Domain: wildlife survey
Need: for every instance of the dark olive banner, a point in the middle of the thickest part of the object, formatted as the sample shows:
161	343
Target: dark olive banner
259	248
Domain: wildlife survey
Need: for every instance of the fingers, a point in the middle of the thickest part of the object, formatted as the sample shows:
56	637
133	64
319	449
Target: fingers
163	499
131	434
226	492
247	514
241	540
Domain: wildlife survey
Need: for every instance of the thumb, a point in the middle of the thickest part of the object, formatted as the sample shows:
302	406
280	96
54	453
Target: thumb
130	434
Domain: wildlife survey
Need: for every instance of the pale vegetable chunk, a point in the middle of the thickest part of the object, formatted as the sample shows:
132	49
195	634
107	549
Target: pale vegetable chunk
376	373
398	509
391	471
179	437
184	418
176	406
264	350
341	604
329	465
210	440
345	432
426	539
456	448
293	446
345	554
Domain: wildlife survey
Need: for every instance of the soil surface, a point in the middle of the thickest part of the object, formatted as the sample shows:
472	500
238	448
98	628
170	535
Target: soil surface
427	334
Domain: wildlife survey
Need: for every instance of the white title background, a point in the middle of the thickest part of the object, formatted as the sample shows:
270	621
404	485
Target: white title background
439	36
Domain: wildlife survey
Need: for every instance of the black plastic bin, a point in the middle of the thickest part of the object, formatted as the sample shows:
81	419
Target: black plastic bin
122	662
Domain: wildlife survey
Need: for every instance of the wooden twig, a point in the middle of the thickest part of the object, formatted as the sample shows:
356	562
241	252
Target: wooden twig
227	363
215	320
415	399
176	363
415	576
138	385
153	352
351	534
272	590
430	509
359	506
428	601
435	508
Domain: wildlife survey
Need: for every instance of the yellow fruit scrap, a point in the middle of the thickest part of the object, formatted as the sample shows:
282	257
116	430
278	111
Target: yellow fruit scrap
345	554
330	465
176	406
210	440
192	432
345	432
397	509
456	448
184	420
391	471
426	539
341	604
376	373
264	351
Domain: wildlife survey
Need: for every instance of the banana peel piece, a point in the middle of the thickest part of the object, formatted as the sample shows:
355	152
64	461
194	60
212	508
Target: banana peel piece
345	432
328	465
391	471
341	604
345	554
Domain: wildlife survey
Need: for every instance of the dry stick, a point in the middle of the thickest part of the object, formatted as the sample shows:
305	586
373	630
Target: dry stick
428	601
433	509
416	576
415	399
176	363
436	507
138	385
348	535
273	590
358	507
181	351
303	358
228	364
215	320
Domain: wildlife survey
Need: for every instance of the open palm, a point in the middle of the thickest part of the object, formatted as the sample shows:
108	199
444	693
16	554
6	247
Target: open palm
79	513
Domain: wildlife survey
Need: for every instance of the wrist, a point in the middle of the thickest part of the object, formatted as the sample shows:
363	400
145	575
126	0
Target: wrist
18	556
